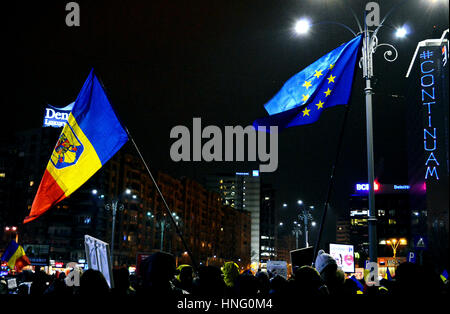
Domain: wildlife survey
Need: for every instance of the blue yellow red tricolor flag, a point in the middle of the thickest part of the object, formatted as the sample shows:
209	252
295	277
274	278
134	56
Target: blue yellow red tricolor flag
388	275
92	135
325	83
15	256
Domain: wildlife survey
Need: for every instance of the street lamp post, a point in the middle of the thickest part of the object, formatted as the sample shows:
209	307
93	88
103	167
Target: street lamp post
306	217
297	231
13	229
394	243
113	207
369	47
164	223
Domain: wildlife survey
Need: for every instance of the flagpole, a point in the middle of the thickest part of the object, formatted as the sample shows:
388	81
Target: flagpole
166	206
194	264
330	184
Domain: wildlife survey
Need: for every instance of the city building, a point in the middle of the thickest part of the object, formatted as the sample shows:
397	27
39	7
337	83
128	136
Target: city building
268	223
394	217
242	191
343	231
428	146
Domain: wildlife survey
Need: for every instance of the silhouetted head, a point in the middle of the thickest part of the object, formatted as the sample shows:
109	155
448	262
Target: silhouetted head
93	283
307	281
157	269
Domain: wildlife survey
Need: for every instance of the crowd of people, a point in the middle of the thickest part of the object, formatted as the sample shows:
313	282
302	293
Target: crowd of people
159	277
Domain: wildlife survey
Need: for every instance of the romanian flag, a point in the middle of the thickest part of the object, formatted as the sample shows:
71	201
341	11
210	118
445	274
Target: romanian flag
444	275
15	256
92	135
388	276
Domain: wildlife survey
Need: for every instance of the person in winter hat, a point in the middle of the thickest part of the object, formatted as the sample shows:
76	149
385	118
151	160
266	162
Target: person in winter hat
331	274
323	260
230	272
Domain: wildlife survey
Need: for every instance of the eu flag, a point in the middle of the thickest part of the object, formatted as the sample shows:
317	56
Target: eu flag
325	83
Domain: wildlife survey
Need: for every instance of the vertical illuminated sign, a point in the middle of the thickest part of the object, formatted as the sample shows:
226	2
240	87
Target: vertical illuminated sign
428	66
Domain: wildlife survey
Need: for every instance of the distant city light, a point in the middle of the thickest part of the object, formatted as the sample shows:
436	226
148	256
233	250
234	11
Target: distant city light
284	205
313	224
128	191
94	192
299	202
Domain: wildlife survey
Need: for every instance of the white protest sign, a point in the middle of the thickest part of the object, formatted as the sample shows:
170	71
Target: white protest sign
97	257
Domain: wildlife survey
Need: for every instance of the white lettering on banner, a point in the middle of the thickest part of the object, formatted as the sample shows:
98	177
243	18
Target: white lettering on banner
55	118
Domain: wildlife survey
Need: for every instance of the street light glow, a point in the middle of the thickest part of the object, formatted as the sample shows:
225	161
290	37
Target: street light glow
313	224
284	205
128	191
299	202
302	26
94	191
401	32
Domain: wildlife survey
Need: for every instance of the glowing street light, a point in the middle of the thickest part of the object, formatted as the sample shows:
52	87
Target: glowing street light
300	202
94	192
284	205
302	26
13	229
401	32
313	223
394	243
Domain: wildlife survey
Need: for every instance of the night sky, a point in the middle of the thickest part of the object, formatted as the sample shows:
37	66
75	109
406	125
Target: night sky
165	62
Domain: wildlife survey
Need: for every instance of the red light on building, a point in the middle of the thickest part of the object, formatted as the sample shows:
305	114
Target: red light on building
376	186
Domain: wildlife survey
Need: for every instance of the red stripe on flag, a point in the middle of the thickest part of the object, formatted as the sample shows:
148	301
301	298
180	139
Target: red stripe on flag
21	262
48	194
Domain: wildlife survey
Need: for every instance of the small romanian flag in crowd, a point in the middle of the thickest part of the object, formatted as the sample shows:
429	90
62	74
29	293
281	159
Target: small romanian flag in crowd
388	275
15	256
92	135
444	275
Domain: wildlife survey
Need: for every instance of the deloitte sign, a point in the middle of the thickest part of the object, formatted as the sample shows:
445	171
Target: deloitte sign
56	117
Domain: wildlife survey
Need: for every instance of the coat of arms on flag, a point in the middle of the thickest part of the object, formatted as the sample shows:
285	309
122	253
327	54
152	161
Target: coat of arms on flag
68	149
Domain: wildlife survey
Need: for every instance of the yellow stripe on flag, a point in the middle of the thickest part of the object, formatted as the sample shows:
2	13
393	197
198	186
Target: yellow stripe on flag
18	254
72	177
